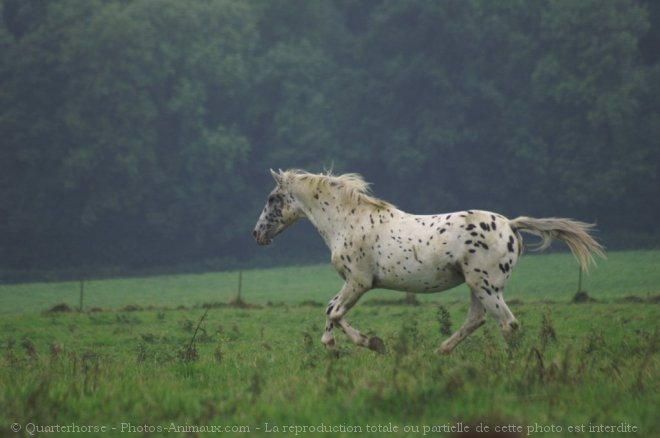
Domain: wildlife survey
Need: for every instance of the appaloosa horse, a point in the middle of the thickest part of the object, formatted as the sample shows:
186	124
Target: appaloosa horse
375	245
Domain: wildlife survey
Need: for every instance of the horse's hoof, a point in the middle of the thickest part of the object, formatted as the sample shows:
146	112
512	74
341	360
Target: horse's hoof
443	350
376	344
330	345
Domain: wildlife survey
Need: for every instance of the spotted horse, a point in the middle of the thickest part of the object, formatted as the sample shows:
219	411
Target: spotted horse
375	245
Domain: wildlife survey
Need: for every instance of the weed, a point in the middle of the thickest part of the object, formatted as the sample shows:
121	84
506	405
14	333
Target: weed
189	353
537	371
126	319
141	352
309	358
90	367
187	325
218	355
515	342
56	350
149	338
336	378
650	347
595	342
407	338
444	319
30	348
547	333
256	385
10	354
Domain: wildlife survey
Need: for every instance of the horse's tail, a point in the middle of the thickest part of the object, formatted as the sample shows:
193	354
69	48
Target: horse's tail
576	235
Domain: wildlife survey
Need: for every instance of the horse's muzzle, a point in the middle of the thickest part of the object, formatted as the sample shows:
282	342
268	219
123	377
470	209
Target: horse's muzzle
261	238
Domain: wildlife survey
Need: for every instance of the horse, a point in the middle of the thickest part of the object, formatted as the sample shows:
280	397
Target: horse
373	244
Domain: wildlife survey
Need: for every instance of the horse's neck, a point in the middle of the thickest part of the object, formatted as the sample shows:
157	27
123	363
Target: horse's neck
329	216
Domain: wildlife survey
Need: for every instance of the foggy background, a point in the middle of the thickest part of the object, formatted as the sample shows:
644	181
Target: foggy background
138	134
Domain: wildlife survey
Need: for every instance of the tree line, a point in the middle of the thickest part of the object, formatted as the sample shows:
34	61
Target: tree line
138	133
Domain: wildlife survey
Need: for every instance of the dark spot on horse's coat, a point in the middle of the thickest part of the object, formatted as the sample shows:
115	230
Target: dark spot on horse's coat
472	251
510	244
467	242
329	310
471	227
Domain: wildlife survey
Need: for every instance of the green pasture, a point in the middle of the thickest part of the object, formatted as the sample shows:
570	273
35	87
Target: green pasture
551	277
147	358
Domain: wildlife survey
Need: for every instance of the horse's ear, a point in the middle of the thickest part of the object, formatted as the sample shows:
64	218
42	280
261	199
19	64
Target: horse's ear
276	176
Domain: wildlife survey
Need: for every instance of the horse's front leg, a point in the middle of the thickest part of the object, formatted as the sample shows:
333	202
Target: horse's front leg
337	308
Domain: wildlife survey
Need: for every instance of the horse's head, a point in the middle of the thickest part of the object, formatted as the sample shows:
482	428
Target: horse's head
281	210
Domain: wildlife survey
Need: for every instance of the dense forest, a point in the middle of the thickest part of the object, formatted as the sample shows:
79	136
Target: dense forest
139	133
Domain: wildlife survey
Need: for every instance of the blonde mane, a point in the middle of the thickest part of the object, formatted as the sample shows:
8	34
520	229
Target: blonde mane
351	187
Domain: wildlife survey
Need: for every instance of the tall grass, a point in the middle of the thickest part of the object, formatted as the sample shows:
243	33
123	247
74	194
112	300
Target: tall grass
571	365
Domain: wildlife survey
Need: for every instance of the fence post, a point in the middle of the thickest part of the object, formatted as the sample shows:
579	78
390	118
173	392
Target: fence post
240	284
580	280
82	292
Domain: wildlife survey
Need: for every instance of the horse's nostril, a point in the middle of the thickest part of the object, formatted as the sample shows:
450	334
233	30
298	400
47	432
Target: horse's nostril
254	233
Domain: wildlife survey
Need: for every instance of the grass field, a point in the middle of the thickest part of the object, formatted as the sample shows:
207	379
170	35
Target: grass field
136	362
549	277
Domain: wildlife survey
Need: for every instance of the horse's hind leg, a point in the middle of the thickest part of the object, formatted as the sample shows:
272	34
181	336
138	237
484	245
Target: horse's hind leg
475	319
486	296
489	290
